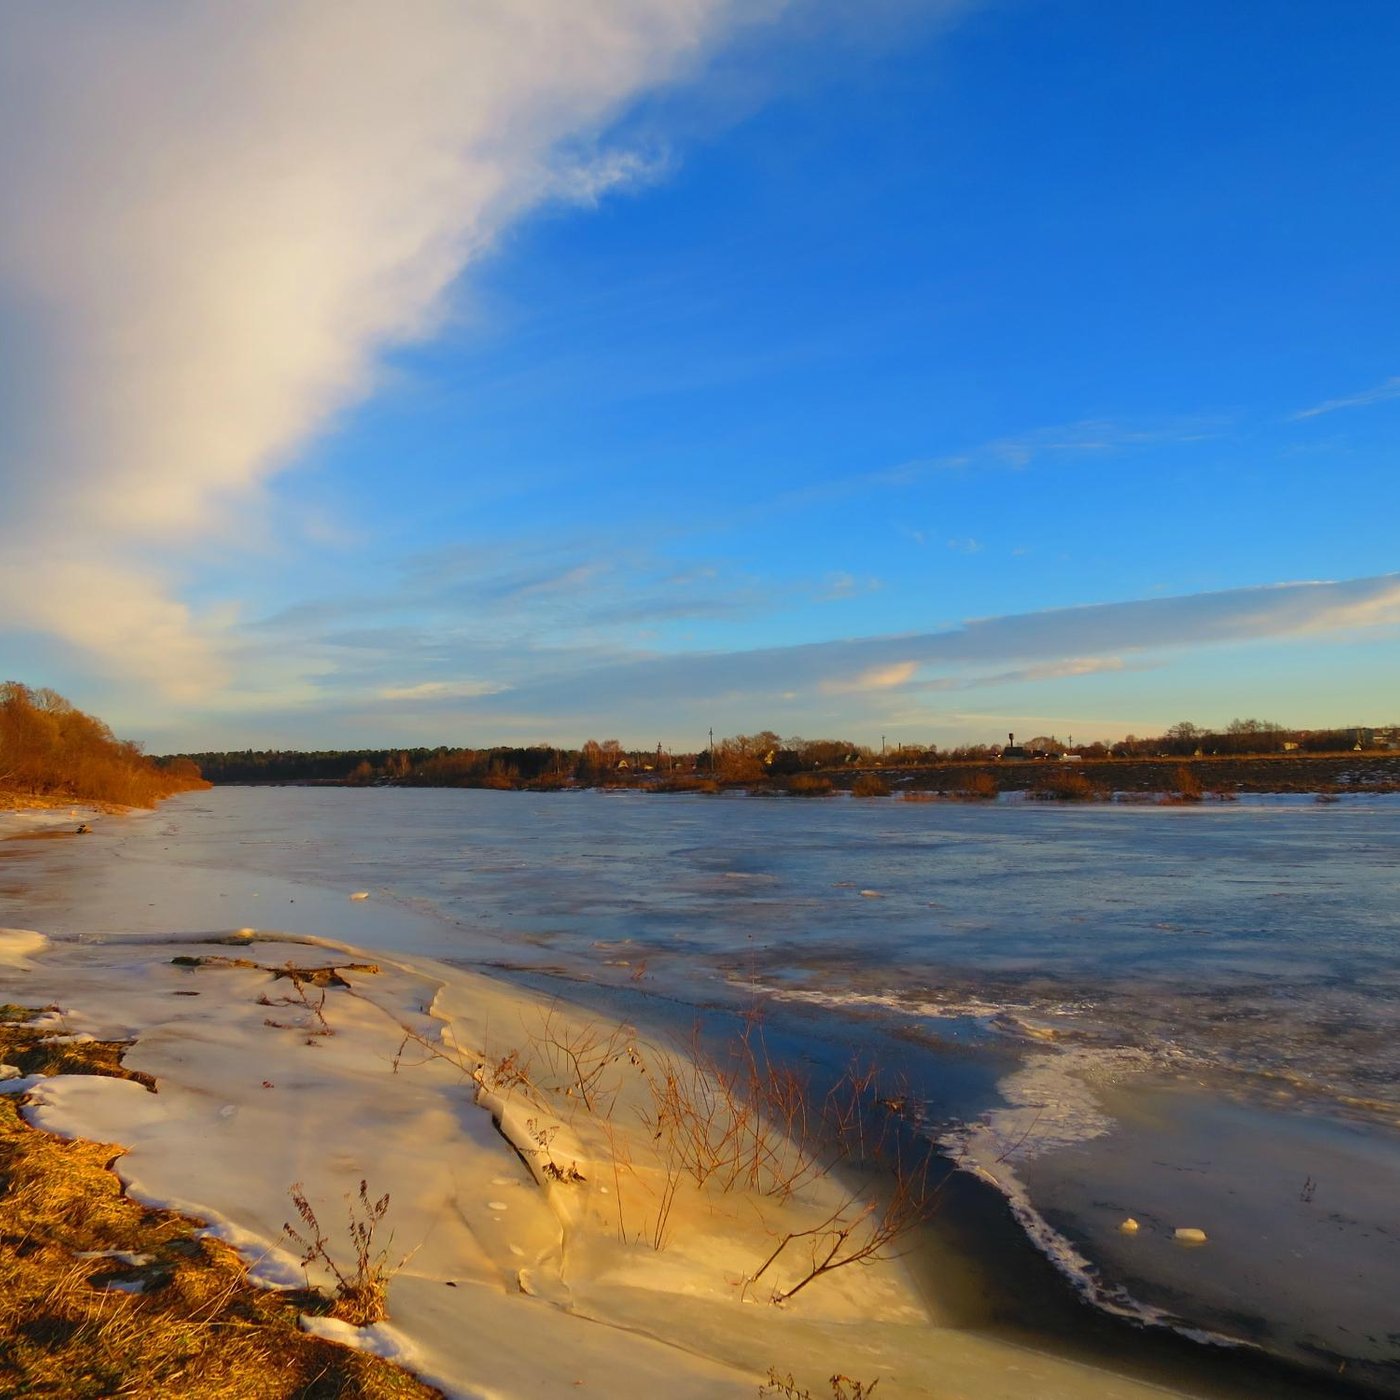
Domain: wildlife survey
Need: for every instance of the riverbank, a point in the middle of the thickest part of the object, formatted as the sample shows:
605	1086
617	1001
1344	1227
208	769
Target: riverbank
542	1241
1211	776
23	812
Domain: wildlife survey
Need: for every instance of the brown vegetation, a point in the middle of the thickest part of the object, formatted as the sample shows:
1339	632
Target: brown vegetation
105	1297
684	782
361	1292
1188	785
1066	785
870	785
764	760
50	749
842	1387
978	787
743	1122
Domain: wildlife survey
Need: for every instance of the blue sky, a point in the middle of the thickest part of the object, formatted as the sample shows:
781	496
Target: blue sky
918	370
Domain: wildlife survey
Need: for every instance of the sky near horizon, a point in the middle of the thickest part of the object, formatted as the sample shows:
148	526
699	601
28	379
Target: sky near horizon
470	373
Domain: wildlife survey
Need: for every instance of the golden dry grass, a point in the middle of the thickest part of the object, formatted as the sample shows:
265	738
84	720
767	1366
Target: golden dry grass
200	1329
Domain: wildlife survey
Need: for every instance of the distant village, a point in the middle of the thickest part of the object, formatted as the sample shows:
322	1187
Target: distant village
766	757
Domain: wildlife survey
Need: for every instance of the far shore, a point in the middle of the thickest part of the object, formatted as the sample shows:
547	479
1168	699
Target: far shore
1217	776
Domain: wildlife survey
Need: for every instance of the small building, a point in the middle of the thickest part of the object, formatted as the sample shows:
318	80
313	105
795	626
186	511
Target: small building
1014	751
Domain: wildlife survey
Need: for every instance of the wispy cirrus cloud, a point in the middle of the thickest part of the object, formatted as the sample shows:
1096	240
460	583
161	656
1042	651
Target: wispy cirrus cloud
1025	675
437	690
875	678
217	219
1051	644
1382	393
430	683
1014	452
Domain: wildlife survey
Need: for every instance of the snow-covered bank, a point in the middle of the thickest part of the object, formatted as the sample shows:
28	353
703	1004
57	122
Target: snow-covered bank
47	819
531	1268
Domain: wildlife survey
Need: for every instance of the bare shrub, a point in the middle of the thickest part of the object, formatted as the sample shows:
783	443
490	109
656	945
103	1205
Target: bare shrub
542	1137
978	787
360	1292
1188	785
576	1059
1066	785
741	1123
301	997
809	785
858	1234
753	1124
870	785
842	1387
505	1072
684	782
740	1126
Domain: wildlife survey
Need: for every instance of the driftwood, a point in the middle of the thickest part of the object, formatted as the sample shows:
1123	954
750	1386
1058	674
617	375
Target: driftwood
328	975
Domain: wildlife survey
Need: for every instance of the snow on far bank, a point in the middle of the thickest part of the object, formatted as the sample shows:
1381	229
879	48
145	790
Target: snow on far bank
526	1193
18	945
38	821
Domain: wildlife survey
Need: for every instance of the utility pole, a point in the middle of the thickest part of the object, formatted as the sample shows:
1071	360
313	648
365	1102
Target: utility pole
712	751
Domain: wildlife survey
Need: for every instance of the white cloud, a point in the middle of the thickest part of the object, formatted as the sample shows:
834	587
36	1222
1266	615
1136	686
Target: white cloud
842	585
848	686
438	690
122	619
1048	671
1382	393
875	678
1025	647
217	217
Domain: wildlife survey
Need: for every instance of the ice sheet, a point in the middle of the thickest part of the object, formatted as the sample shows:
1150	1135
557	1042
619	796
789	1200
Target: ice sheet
512	1284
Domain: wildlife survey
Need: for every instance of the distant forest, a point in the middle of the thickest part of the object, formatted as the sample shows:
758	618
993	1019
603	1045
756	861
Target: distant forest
51	749
740	759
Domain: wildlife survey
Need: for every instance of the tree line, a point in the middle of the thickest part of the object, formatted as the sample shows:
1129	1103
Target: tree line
50	748
736	760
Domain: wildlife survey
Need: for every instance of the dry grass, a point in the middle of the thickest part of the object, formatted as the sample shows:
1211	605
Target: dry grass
740	1123
870	785
577	1061
842	1387
683	782
362	1292
978	787
199	1329
1066	785
752	1124
1188	786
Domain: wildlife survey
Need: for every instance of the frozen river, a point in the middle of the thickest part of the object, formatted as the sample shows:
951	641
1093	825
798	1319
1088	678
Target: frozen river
1192	1013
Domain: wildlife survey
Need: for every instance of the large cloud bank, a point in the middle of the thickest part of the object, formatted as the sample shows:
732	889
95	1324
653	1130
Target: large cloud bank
217	216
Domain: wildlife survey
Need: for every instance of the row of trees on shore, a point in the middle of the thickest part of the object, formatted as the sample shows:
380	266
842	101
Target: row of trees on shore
49	748
736	760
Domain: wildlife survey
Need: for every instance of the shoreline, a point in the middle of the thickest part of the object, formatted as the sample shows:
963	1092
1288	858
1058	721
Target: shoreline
1123	779
186	1153
986	1271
